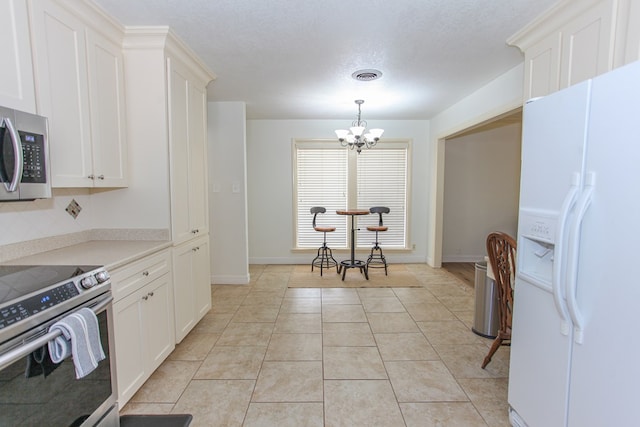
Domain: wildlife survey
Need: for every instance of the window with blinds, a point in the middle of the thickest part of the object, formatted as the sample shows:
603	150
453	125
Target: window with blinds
321	171
328	175
382	181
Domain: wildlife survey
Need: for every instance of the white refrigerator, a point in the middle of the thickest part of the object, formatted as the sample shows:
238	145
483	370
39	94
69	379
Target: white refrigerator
575	349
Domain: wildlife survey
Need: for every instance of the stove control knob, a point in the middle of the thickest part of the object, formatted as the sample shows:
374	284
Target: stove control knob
102	276
88	282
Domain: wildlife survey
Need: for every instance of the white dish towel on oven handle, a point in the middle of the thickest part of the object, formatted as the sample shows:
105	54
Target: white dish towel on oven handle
80	339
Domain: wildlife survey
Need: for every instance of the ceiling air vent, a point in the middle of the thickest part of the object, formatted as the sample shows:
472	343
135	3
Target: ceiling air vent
367	75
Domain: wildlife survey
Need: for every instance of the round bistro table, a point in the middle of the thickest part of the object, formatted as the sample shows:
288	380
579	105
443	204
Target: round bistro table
353	262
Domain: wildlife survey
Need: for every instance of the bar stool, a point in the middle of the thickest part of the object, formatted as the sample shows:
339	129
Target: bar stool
325	258
377	259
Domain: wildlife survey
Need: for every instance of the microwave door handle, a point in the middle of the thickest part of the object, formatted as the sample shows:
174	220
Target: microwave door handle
18	159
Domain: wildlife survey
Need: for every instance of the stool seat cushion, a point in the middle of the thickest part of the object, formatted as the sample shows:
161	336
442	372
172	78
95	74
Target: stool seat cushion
377	228
324	229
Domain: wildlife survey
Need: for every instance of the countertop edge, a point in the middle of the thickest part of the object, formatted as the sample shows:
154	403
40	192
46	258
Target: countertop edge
13	252
112	254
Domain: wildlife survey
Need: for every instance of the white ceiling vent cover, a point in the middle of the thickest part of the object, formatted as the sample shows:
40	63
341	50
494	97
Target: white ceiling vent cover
367	75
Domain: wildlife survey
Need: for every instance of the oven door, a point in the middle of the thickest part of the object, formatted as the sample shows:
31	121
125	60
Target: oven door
34	394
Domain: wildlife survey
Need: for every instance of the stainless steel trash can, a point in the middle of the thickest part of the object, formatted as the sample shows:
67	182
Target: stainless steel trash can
486	317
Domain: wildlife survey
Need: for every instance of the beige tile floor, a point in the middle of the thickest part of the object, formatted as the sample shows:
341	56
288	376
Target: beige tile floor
271	355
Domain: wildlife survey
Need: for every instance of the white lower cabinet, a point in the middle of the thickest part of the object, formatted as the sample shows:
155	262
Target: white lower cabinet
192	284
144	325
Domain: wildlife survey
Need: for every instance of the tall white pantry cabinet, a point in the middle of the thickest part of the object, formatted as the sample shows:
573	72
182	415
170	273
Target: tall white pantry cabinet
167	107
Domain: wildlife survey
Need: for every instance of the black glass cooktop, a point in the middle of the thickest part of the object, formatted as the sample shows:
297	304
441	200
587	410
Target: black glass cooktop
17	281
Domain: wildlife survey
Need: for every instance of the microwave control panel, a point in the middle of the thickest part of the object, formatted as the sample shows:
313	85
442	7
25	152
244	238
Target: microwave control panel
33	169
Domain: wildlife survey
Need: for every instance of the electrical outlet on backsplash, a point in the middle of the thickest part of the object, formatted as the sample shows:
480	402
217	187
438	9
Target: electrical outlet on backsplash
73	208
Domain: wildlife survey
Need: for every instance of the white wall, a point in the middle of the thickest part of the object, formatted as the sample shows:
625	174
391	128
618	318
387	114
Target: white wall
270	184
228	193
499	96
481	189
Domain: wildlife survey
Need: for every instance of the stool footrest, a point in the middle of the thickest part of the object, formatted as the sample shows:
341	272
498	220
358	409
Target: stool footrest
325	259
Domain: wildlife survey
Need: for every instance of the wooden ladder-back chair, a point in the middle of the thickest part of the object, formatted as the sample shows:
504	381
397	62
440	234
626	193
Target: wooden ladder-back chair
501	249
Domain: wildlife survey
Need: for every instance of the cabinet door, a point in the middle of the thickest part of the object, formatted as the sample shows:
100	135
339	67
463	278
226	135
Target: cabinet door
158	316
202	277
60	60
629	13
542	67
108	129
587	44
198	204
179	141
183	289
130	342
16	73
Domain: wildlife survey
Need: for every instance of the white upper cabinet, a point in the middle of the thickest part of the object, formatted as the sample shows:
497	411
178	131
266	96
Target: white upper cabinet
575	41
16	72
587	44
80	88
542	67
108	123
628	32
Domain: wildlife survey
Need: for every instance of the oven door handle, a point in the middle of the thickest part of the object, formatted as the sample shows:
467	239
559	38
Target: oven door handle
18	353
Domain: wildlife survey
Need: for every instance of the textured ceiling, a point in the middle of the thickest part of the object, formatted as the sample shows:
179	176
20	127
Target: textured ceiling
293	59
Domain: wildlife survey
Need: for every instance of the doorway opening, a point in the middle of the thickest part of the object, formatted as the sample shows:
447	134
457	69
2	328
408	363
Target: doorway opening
478	187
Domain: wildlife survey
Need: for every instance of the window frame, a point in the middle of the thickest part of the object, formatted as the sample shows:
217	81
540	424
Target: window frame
343	224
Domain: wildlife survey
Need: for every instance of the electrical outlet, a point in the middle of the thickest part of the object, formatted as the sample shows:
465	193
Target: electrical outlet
73	208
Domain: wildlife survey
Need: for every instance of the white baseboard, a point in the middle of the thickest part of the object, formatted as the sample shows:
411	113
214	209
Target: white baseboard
230	280
462	258
391	258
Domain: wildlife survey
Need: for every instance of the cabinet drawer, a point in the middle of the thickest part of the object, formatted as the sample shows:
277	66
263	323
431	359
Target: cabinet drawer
135	275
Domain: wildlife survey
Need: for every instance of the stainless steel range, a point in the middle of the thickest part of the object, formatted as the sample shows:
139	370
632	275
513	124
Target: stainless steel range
33	390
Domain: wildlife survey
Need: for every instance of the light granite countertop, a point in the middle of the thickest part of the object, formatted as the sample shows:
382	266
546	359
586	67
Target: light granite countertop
110	253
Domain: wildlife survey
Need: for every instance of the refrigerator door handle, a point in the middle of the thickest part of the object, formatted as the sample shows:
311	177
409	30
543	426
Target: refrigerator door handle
559	254
582	205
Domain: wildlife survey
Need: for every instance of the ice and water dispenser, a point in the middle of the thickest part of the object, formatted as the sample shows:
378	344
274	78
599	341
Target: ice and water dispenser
536	247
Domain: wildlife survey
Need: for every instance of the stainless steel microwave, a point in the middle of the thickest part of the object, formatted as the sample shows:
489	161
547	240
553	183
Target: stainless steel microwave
24	156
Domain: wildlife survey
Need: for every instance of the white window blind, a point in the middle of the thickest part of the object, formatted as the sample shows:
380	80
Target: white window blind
321	180
382	181
334	177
